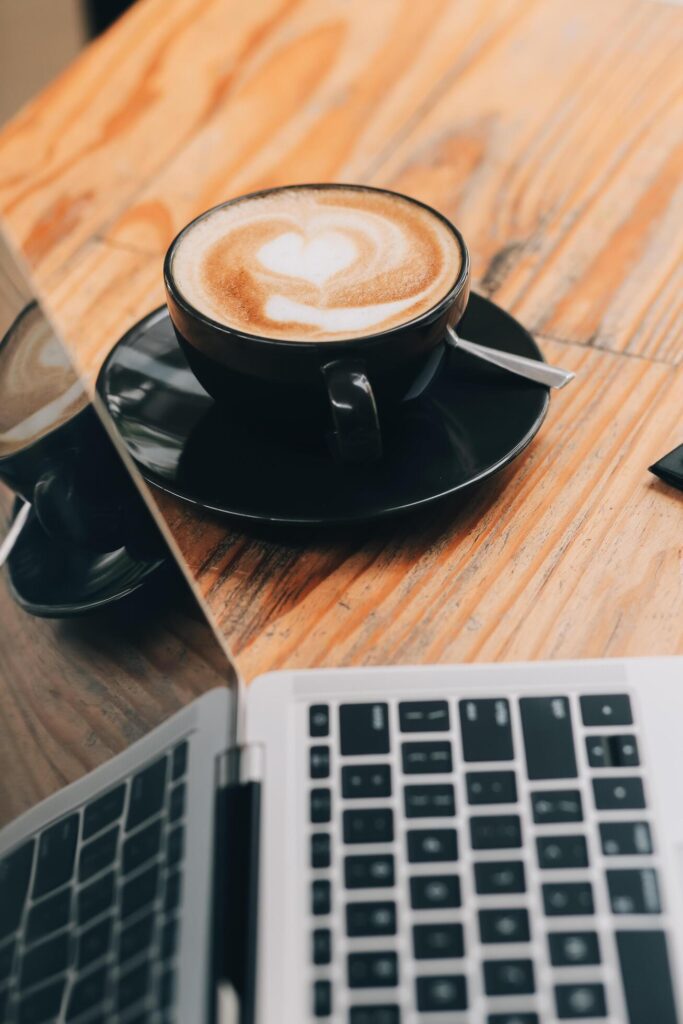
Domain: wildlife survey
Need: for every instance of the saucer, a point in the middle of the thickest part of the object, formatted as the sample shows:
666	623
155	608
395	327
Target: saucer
59	581
472	420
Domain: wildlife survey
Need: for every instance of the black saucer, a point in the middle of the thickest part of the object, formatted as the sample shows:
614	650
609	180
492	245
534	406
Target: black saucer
472	420
58	581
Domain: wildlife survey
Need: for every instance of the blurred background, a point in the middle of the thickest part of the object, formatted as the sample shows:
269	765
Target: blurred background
39	37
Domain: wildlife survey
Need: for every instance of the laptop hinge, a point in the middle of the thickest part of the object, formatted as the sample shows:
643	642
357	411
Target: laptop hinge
238	795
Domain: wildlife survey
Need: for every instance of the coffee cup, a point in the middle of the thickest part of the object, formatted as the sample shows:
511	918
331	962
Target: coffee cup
319	307
54	452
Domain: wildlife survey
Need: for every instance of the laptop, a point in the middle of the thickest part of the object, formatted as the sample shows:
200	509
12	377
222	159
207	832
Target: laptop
496	844
466	844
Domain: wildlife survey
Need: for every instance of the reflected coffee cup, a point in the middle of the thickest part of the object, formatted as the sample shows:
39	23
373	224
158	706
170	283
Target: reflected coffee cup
323	306
54	452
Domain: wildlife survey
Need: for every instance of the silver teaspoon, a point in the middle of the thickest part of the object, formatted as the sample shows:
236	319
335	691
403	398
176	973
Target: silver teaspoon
532	369
14	532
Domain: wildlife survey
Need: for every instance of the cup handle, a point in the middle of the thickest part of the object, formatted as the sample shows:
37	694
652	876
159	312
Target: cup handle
357	433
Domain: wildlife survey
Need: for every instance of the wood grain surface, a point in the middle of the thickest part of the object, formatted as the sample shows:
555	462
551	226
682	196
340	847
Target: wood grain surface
75	692
551	132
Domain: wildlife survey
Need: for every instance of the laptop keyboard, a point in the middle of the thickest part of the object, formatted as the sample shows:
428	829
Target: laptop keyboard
487	860
88	907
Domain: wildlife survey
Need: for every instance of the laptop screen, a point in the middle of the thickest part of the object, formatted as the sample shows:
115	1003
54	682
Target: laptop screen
100	636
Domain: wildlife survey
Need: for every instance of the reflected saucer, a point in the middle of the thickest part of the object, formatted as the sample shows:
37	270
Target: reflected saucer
55	580
471	421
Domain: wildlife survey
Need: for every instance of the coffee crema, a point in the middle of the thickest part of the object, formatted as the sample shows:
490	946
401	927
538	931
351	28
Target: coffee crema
316	263
39	389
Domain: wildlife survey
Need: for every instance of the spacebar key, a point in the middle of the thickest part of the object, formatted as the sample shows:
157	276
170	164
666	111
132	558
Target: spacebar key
646	975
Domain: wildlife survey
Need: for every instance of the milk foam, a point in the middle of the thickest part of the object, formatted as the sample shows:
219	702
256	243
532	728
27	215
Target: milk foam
39	388
316	264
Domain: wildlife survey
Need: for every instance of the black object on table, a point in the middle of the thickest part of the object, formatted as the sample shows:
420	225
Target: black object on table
670	468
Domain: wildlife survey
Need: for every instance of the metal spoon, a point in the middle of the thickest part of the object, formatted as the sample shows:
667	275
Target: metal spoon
532	369
14	532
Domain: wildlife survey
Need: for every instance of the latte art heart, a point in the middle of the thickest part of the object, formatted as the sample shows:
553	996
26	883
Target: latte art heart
317	264
315	260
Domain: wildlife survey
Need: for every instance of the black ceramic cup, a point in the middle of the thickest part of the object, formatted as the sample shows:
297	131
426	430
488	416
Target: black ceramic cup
345	388
65	467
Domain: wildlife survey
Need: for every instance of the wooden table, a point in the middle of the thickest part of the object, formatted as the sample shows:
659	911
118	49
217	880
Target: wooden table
550	132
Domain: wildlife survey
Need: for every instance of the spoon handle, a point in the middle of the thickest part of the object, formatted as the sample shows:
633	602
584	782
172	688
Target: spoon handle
532	369
14	532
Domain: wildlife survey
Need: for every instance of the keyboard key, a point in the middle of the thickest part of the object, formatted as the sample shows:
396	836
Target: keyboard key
169	939
494	878
98	854
548	738
576	1001
431	845
87	993
508	977
56	854
621	838
364	729
634	891
606	709
175	845
372	970
624	794
513	1018
436	801
369	872
568	949
48	916
321	897
320	850
438	941
320	806
135	938
95	898
319	762
318	720
368	826
44	961
42	1005
172	891
434	892
322	946
93	943
132	986
141	847
643	954
6	961
166	990
379	1014
491	787
140	891
504	831
441	992
568	898
176	805
146	794
486	731
429	758
424	716
322	998
363	781
179	762
612	751
103	811
562	852
556	806
504	925
15	873
377	918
